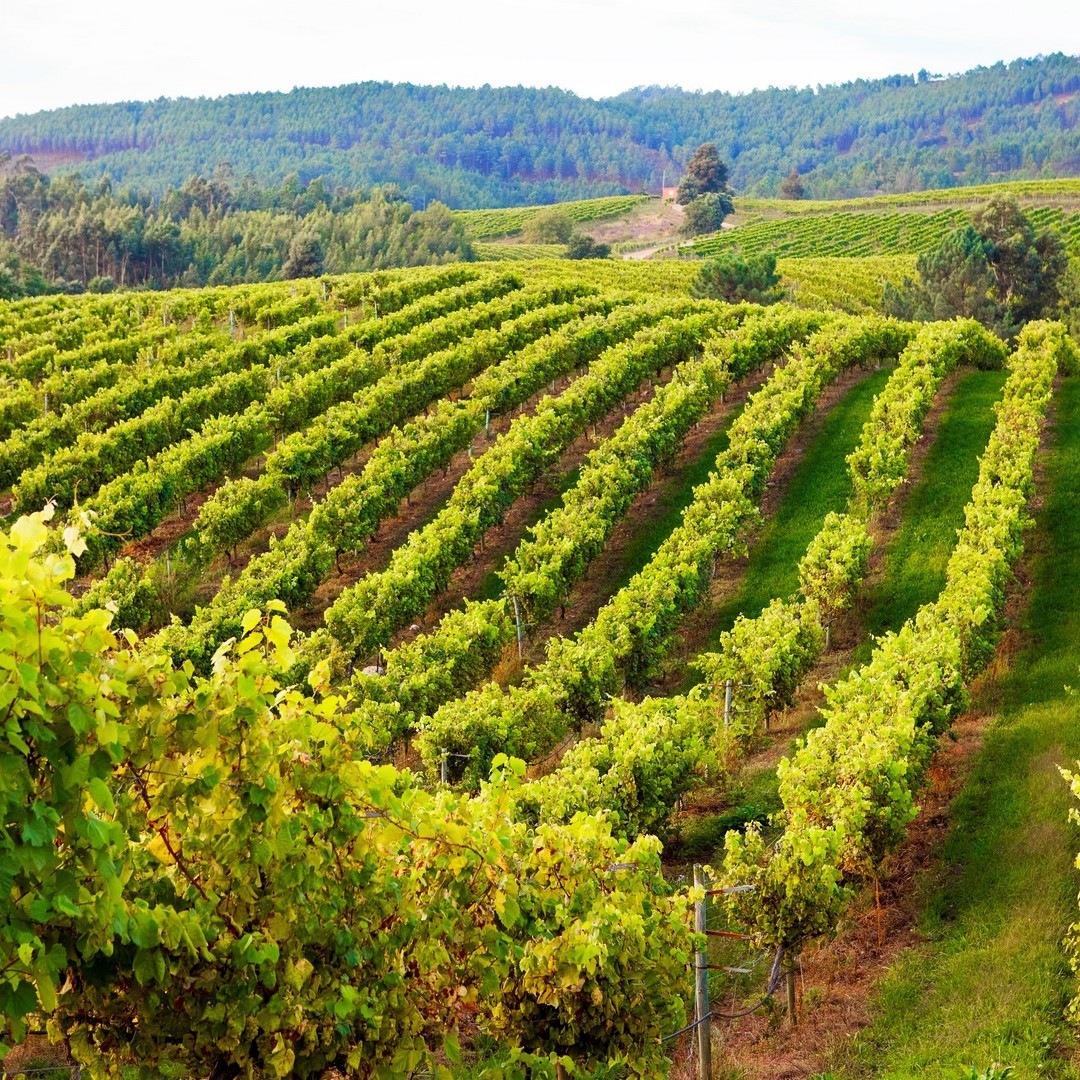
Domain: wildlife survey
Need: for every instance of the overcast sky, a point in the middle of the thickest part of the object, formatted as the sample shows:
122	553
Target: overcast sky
67	52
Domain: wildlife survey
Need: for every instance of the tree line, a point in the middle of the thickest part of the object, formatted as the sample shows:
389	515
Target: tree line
69	235
522	146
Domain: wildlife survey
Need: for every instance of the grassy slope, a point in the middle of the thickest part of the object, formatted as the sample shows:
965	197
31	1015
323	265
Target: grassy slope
912	573
990	983
820	484
914	569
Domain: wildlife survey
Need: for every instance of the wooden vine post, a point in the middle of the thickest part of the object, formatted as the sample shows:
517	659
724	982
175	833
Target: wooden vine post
701	985
517	622
789	980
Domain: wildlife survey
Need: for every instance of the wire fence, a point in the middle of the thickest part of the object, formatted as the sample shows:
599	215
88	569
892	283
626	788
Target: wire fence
742	973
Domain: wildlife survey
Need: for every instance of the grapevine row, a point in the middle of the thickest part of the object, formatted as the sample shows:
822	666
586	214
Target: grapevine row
295	566
242	505
848	792
544	568
208	862
629	635
100	456
479	224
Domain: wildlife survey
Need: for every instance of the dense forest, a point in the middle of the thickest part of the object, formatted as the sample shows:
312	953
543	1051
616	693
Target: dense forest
65	234
515	146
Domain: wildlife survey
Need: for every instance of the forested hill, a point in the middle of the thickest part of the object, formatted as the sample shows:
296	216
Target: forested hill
512	146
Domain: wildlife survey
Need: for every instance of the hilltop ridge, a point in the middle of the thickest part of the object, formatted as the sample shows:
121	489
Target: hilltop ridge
509	146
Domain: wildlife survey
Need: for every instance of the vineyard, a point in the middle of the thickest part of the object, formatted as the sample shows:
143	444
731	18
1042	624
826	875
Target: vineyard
395	638
482	224
1055	192
858	234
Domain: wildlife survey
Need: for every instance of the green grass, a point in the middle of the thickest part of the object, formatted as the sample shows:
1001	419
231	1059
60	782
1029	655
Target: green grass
821	484
991	981
914	567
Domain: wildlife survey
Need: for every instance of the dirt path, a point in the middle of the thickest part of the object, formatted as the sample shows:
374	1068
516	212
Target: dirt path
646	253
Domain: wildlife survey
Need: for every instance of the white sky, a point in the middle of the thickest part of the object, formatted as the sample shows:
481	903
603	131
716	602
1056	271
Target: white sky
64	52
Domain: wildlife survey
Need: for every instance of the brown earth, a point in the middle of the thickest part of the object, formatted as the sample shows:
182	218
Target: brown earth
47	160
656	220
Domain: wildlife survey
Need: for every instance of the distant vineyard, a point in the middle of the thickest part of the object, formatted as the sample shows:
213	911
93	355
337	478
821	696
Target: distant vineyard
861	234
497	502
1059	192
518	252
479	224
852	285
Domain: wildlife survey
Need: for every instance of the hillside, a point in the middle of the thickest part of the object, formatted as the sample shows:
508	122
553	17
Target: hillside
561	513
831	253
514	146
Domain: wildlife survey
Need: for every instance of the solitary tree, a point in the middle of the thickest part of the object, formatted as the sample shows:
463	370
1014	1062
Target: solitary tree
1070	298
734	277
1027	266
585	247
954	280
550	226
305	257
706	214
705	173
